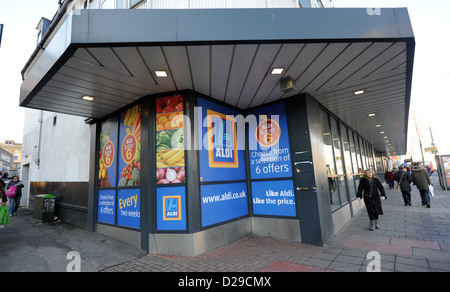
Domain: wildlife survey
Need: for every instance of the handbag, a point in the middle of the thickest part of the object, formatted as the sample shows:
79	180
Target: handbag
11	193
4	215
399	189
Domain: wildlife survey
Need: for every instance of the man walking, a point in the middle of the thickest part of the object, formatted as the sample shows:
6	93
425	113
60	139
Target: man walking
422	181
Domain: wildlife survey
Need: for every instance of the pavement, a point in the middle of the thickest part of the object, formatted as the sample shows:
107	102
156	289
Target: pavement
411	239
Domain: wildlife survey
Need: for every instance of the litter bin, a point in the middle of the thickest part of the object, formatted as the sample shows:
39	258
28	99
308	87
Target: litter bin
44	208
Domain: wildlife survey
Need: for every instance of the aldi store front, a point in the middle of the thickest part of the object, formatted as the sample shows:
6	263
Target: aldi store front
197	140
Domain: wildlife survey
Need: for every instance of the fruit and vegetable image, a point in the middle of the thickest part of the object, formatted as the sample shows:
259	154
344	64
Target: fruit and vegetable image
170	140
131	119
130	152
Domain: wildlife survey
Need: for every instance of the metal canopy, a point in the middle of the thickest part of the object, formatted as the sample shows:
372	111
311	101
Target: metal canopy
228	55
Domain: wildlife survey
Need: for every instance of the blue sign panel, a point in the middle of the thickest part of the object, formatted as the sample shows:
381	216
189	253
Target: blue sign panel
223	202
222	155
106	206
270	155
171	208
129	208
275	198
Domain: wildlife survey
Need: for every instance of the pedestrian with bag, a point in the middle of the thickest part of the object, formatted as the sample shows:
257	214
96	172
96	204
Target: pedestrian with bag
4	213
389	177
370	188
3	196
422	182
404	180
14	192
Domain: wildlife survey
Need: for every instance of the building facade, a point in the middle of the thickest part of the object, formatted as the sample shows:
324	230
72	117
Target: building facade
16	150
197	127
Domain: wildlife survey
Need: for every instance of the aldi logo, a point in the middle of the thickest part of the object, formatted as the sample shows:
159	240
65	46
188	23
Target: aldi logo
172	207
222	141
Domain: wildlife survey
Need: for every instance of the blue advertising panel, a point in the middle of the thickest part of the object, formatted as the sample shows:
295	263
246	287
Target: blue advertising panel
223	202
171	208
129	208
106	206
275	198
269	149
222	155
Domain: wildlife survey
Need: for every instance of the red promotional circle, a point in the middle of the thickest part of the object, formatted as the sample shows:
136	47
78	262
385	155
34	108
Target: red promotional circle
268	133
128	148
108	154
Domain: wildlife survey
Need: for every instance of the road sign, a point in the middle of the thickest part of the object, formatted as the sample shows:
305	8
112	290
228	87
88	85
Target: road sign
431	149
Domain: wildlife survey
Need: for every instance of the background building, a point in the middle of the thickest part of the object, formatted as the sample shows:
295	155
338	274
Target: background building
14	163
131	167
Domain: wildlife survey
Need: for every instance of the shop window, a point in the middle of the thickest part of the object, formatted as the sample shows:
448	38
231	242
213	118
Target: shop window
348	162
119	169
363	154
170	163
355	161
339	162
329	162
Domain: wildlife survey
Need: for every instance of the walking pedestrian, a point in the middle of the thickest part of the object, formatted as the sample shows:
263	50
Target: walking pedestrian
3	196
404	180
422	182
389	177
370	187
15	202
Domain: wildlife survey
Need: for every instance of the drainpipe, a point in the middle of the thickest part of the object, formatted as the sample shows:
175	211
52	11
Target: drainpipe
40	121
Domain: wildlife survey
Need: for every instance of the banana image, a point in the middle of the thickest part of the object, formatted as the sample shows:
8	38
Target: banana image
176	157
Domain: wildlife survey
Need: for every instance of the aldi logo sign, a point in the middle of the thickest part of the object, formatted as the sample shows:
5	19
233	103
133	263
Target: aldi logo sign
172	207
222	141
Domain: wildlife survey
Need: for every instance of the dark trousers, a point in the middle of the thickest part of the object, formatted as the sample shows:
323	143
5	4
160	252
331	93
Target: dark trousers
425	196
406	197
391	184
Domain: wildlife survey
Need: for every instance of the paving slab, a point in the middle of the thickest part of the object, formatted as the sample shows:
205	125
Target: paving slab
411	239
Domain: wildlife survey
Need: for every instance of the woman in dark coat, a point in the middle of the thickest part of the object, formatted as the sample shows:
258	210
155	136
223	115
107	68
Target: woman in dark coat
370	187
404	179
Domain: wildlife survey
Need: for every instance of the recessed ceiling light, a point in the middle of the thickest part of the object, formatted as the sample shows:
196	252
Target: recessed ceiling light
371	115
359	92
382	132
161	73
277	71
378	126
88	98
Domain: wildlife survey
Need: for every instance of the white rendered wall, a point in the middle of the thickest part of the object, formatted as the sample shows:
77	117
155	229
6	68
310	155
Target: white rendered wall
64	147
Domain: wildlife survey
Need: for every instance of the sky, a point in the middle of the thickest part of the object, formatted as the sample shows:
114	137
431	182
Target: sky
430	98
430	94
